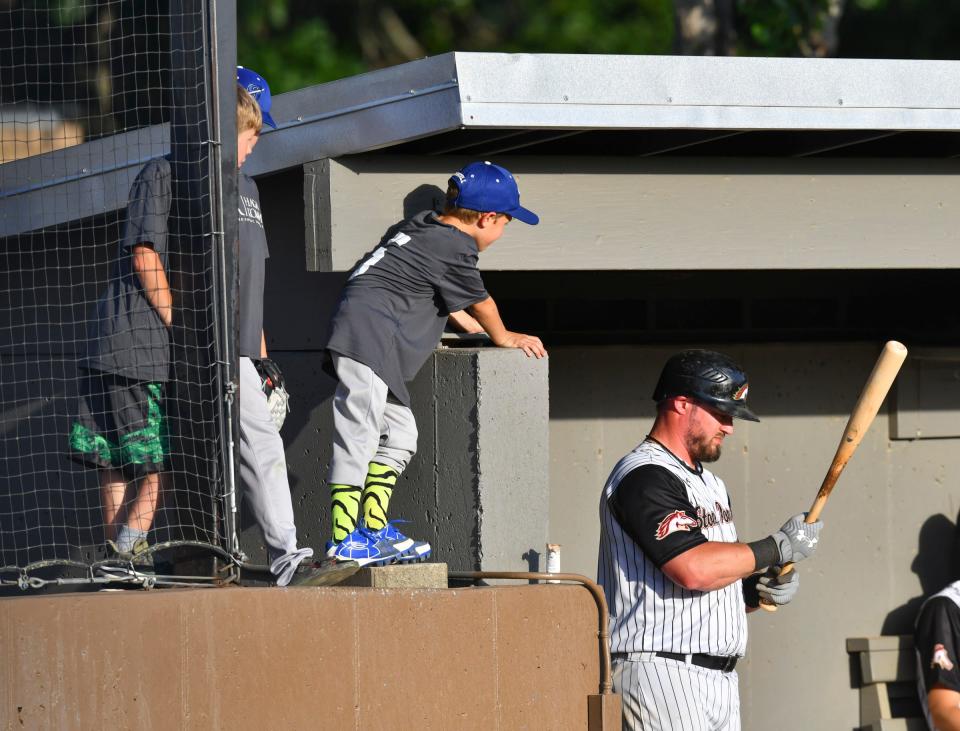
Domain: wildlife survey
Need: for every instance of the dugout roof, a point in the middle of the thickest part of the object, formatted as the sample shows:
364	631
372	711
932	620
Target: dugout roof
485	104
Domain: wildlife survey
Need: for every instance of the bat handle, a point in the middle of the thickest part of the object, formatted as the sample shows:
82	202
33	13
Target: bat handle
812	516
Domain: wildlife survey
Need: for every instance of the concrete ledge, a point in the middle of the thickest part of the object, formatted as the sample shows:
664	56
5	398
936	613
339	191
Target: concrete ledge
519	657
401	576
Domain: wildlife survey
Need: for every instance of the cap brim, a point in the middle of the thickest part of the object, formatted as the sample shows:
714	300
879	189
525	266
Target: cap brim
522	214
268	120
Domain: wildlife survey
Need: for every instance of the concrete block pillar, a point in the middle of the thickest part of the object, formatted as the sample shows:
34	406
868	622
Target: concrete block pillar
484	493
477	489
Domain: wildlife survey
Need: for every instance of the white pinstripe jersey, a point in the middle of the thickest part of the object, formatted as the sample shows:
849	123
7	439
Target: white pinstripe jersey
648	611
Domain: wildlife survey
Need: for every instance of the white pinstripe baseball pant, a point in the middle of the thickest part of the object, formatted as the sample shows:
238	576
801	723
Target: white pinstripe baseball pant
660	694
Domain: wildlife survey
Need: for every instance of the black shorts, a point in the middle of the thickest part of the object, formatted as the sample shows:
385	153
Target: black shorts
120	425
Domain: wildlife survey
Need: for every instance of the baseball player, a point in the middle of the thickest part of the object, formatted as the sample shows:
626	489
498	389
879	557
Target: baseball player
263	464
677	581
937	642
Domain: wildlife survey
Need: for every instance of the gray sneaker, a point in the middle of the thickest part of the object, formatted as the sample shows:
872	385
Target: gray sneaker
139	554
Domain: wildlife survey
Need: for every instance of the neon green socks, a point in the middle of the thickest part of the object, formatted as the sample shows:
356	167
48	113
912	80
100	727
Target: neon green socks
344	510
377	490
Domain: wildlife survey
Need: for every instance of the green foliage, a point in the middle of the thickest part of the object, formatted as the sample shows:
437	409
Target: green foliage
900	29
291	51
294	43
778	27
61	12
603	26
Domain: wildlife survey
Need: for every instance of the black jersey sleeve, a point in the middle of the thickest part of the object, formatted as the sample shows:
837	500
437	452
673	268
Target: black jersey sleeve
652	506
937	640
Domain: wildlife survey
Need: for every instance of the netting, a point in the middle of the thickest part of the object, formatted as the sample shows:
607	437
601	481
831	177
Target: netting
111	382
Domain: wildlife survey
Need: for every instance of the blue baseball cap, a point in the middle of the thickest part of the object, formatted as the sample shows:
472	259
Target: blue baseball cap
486	188
259	90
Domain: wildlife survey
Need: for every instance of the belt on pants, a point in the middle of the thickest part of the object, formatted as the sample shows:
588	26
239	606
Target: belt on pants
724	663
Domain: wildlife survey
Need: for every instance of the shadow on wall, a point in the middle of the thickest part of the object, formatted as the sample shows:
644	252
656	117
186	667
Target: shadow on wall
421	198
936	564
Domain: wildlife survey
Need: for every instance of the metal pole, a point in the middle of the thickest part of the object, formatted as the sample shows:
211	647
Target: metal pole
223	179
606	683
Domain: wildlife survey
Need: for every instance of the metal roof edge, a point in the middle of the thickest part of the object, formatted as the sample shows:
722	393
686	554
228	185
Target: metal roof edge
636	92
76	182
520	91
360	113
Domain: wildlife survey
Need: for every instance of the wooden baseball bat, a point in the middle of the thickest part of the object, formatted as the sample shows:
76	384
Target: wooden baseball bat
874	392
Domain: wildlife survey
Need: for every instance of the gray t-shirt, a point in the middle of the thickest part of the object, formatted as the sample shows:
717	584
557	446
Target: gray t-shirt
253	257
394	306
126	335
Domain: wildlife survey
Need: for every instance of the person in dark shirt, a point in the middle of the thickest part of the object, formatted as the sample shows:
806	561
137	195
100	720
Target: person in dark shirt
937	642
389	319
121	426
263	464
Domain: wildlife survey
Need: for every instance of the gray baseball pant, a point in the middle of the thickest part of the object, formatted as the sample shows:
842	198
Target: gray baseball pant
263	476
367	425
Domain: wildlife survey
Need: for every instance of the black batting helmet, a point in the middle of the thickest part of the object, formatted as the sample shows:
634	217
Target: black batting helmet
712	378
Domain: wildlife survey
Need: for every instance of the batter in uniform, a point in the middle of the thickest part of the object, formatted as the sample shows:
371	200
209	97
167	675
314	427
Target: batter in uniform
937	642
677	581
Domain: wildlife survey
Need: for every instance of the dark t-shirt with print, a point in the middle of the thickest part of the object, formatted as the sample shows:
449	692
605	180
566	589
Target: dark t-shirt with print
126	335
937	639
252	257
394	306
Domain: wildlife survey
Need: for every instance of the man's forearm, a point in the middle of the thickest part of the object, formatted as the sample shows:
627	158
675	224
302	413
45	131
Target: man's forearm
944	706
153	282
711	565
947	719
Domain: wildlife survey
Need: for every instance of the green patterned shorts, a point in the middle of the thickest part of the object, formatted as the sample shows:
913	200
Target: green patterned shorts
120	425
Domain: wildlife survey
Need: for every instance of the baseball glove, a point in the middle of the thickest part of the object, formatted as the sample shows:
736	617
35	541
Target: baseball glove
278	399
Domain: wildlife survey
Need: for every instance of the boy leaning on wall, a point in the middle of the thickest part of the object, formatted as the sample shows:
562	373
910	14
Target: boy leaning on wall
388	321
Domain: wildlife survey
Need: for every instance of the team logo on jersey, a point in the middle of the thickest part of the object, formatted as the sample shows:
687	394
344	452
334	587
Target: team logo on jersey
677	520
941	659
741	393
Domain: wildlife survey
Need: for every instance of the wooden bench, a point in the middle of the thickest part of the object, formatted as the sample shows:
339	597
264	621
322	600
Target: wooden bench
886	675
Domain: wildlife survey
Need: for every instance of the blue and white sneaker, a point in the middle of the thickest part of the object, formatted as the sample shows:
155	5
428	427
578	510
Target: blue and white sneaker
368	548
419	551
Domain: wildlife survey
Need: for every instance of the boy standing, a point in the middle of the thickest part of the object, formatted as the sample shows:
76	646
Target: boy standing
389	319
263	464
121	427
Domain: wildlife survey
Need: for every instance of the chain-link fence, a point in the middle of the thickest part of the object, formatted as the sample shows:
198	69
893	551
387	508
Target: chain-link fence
115	368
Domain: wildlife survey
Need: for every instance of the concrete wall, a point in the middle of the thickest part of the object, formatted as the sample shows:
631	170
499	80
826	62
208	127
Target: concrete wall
679	213
890	526
510	658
